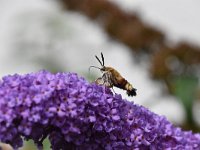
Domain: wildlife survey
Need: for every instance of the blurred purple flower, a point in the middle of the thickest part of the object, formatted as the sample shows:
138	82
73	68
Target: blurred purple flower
75	114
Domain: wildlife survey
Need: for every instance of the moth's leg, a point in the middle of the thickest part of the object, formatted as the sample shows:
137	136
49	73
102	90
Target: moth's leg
113	90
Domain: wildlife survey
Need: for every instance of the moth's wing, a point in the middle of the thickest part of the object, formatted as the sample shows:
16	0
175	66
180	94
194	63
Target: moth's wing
108	84
107	78
103	81
99	81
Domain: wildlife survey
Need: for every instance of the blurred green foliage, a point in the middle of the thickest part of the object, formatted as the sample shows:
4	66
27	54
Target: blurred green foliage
185	88
29	145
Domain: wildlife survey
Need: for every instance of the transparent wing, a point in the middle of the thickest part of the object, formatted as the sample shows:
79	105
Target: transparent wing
106	80
99	81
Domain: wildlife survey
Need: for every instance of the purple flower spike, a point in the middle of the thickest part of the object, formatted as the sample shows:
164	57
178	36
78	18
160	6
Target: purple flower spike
75	114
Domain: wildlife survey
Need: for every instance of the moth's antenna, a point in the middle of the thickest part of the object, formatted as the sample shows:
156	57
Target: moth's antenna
102	58
99	60
94	67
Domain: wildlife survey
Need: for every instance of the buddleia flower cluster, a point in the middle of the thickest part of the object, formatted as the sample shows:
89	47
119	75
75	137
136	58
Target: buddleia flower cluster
75	114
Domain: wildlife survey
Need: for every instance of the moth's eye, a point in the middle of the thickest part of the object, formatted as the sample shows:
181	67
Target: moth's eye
103	69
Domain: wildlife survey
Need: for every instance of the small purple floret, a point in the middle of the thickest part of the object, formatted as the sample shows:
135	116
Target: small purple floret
75	114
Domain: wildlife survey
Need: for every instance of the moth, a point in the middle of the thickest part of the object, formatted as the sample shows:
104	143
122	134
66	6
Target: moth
112	78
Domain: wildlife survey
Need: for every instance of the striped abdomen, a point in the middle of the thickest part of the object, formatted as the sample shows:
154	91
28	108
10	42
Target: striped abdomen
125	85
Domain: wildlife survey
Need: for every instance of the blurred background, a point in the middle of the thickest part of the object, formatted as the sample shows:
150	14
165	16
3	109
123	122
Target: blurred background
154	44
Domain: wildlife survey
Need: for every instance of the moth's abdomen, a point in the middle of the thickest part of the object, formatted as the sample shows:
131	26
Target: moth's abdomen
130	90
125	85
